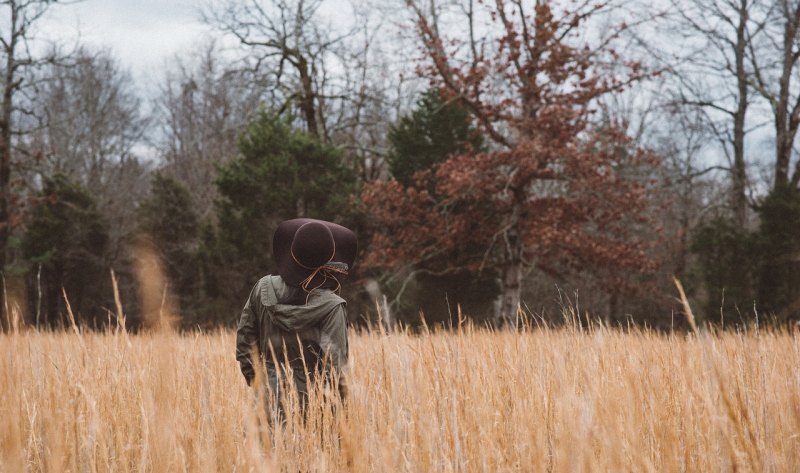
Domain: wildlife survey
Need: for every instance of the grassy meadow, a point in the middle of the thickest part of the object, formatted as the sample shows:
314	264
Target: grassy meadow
549	400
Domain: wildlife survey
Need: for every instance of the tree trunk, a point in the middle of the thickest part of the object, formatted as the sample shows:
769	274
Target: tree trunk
510	299
5	182
739	185
512	278
613	308
5	149
783	139
307	96
786	120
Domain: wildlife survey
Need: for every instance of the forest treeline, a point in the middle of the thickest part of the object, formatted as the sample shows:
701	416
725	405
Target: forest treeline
491	156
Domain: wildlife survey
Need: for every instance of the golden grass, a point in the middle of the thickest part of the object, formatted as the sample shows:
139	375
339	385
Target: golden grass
547	400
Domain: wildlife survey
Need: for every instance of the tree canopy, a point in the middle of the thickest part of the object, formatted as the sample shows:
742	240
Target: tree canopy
67	238
280	173
551	191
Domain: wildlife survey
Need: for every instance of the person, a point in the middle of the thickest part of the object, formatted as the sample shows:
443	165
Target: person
295	322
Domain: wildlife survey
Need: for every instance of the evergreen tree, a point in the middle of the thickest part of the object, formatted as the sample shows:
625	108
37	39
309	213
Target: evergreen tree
726	259
67	236
741	268
434	131
779	241
169	222
281	173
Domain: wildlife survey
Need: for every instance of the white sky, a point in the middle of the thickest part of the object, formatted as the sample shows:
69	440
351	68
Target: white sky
141	34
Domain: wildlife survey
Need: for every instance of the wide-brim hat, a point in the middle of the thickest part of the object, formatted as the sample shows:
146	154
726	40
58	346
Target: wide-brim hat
313	253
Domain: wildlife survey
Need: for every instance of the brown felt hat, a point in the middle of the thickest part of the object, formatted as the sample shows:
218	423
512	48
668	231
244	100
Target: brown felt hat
313	253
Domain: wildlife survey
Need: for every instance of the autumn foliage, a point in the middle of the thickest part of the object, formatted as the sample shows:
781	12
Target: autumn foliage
557	187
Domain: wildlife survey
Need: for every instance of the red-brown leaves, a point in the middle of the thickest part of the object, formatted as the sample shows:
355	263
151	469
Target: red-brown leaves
572	190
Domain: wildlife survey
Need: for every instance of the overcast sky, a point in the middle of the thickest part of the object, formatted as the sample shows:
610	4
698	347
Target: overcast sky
141	34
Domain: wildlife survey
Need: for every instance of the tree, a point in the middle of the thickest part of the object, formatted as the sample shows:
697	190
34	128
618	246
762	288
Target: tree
204	104
551	192
16	62
434	131
291	43
170	224
419	142
340	81
371	89
744	270
775	63
726	259
687	191
67	236
91	125
281	173
779	241
713	75
91	118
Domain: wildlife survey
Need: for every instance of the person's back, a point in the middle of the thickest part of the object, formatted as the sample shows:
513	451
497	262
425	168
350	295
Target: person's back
294	324
293	333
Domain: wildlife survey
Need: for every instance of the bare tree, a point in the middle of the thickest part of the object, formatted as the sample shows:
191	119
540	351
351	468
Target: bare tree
203	105
290	43
92	118
712	74
91	127
19	18
375	87
775	61
688	186
343	82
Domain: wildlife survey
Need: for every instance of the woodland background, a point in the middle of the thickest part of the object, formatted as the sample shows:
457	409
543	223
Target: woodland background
489	154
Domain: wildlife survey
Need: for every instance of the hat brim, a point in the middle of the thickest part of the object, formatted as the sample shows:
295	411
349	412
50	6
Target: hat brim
293	273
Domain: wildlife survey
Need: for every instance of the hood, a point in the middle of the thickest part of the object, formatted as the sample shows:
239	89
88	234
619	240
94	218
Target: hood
297	317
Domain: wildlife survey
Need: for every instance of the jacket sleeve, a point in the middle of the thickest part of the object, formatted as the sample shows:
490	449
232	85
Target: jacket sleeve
335	334
247	335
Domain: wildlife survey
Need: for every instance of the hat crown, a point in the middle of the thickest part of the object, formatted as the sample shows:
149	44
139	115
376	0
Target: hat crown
302	246
313	245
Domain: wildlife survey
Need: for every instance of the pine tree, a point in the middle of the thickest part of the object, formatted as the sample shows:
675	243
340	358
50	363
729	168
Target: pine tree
434	131
281	173
779	240
67	236
726	260
168	221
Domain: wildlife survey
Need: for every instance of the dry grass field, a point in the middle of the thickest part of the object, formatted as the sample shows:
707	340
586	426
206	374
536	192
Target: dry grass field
545	400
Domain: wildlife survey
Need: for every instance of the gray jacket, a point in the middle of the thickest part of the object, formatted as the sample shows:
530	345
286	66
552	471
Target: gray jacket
292	338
